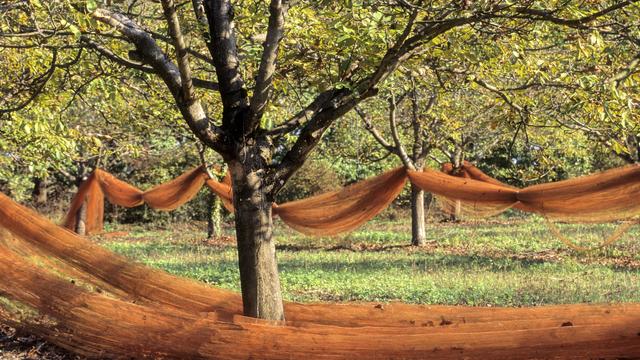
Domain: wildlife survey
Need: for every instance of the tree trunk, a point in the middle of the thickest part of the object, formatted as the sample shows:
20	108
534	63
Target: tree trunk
214	217
39	192
259	279
116	214
457	165
633	144
81	219
457	212
418	233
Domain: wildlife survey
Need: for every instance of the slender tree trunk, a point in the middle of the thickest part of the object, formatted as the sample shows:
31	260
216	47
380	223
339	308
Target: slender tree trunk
633	144
457	214
457	165
39	192
418	233
214	217
81	219
259	279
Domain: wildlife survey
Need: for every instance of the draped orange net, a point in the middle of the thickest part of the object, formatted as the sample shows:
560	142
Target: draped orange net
343	210
606	196
167	196
325	214
602	197
84	298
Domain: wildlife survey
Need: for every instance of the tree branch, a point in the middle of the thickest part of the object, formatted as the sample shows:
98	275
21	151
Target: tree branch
547	15
320	102
190	51
203	160
346	99
368	125
406	46
41	82
225	59
192	112
11	6
275	32
627	71
181	52
100	49
199	10
604	139
340	103
421	147
501	94
396	137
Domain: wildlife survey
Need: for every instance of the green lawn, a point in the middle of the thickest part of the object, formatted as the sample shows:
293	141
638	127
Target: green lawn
495	263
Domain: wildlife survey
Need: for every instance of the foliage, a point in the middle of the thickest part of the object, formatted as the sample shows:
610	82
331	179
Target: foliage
315	177
91	112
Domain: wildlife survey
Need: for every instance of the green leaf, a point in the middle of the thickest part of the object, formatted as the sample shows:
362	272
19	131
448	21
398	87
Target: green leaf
618	148
74	29
91	5
76	32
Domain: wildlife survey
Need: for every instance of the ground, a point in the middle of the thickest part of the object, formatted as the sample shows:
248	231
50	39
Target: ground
503	262
507	262
14	346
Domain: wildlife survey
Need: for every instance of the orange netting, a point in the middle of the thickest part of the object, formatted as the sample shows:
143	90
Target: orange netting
344	210
603	197
606	196
325	214
223	190
167	196
84	298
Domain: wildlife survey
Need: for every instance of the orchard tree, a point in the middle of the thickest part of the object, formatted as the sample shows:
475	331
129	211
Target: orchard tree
282	73
423	129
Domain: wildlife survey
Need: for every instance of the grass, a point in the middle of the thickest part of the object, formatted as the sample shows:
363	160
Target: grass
501	263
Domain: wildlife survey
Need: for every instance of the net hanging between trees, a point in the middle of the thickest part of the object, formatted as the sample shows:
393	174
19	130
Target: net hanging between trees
588	191
602	197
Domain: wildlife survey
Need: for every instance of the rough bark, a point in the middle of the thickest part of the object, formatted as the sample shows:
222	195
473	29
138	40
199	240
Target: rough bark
633	144
418	232
421	149
457	165
259	278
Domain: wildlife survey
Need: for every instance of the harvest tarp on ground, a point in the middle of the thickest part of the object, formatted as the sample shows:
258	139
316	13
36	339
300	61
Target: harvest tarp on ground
96	303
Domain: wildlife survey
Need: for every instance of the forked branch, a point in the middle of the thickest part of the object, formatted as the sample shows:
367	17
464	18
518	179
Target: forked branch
146	46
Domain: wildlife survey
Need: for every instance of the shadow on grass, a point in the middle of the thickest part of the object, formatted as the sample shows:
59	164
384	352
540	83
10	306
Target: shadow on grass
429	263
353	259
356	247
